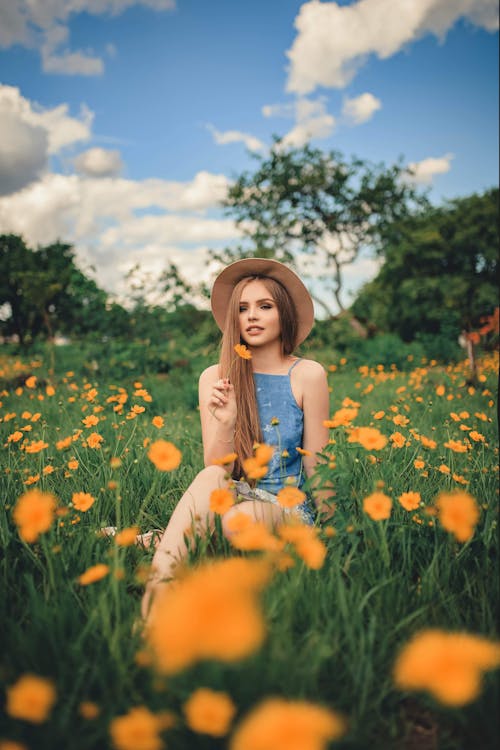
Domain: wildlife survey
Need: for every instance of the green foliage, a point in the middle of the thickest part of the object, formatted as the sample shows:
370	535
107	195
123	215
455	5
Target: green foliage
440	271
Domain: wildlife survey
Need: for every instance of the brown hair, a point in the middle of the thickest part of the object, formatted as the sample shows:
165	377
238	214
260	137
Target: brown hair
247	429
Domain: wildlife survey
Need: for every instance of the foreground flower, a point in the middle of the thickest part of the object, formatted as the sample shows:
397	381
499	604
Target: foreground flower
164	455
458	513
289	497
221	500
209	712
82	501
211	613
31	698
139	729
306	543
33	514
93	574
448	665
410	500
278	724
253	535
378	506
127	537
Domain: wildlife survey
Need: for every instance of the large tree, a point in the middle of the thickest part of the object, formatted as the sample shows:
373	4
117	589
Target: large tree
330	206
440	270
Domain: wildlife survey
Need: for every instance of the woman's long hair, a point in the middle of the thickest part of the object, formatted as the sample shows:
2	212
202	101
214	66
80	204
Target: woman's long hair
247	430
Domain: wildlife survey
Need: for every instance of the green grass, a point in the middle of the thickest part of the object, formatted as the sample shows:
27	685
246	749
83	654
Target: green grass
333	634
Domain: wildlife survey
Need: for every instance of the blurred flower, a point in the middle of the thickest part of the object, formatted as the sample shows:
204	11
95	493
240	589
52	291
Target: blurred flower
456	446
306	543
31	698
30	382
410	500
254	536
139	729
15	437
288	497
209	712
33	514
211	613
242	351
93	574
221	500
127	537
89	710
369	437
379	415
448	665
90	421
94	440
397	439
73	464
444	469
476	436
378	506
458	513
36	446
158	422
164	455
50	390
82	501
263	453
278	724
229	458
303	451
428	442
342	416
253	469
440	390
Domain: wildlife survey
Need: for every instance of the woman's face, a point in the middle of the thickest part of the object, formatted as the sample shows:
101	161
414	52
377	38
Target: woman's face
259	315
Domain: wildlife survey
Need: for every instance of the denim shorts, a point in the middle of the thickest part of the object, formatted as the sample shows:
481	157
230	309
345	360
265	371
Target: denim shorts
305	511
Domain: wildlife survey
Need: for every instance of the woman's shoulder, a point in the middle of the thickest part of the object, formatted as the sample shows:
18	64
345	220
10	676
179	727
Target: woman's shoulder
210	374
309	368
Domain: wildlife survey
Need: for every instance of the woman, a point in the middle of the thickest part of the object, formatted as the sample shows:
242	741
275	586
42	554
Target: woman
265	396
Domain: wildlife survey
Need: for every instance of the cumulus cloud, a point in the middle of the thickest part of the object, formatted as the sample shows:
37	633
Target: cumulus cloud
361	108
311	120
44	26
98	162
30	134
236	136
334	41
423	172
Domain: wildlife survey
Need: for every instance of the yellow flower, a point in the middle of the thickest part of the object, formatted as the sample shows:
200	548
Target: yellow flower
221	500
139	729
209	712
94	440
89	710
418	463
458	513
379	415
253	469
229	458
306	543
254	536
30	382
448	665
73	464
342	416
263	453
127	537
440	390
82	501
210	613
50	390
476	436
90	421
15	437
303	451
378	506
398	440
31	698
33	514
444	469
158	422
369	437
279	724
36	446
93	574
456	446
410	500
242	351
164	455
288	497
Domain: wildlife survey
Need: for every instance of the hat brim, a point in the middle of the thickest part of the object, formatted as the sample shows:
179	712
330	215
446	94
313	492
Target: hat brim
229	277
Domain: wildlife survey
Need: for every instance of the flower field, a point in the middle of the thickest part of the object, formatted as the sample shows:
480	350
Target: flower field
376	628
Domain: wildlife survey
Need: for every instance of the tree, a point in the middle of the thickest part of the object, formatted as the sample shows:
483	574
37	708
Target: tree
329	206
440	271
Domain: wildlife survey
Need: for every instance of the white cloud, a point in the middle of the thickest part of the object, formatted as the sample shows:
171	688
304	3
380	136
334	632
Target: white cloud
312	121
278	110
423	172
334	41
236	136
98	162
43	24
29	135
361	108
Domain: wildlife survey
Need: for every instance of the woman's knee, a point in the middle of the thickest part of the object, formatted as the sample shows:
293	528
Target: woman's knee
215	474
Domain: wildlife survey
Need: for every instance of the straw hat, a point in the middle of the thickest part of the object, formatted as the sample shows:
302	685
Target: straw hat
229	277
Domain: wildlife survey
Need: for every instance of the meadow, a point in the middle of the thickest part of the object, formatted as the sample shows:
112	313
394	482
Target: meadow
407	548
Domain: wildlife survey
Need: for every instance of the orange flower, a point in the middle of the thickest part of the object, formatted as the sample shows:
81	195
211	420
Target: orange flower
458	513
93	574
289	497
444	469
164	455
303	451
476	436
253	469
440	390
378	506
410	500
48	470
50	390
73	464
398	440
127	537
343	416
94	440
255	536
209	712
211	613
448	665
11	745
82	501
456	446
379	415
306	543
229	458
400	420
158	422
369	437
89	710
263	453
36	446
30	382
33	514
428	442
139	729
242	351
15	437
90	421
279	724
221	500
31	698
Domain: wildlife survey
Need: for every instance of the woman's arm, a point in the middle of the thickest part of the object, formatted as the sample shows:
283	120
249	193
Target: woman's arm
217	414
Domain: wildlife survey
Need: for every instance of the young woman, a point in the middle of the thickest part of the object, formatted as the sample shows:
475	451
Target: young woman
271	397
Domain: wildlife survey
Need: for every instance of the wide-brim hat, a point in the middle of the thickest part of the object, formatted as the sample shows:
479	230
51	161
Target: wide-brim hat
229	277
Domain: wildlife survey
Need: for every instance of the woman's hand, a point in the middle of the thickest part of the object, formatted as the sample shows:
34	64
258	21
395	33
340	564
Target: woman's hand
222	402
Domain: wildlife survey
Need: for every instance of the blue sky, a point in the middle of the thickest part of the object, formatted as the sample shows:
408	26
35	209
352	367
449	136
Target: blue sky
121	128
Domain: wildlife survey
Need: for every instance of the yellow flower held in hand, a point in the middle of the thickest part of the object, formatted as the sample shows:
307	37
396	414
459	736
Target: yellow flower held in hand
242	351
31	698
